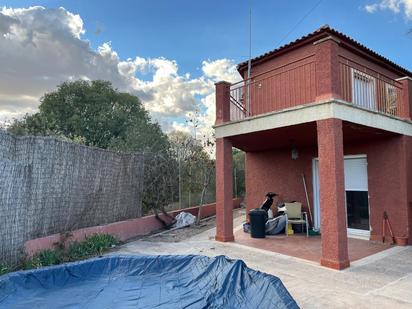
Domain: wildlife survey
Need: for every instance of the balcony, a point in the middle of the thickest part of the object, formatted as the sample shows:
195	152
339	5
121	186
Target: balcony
296	84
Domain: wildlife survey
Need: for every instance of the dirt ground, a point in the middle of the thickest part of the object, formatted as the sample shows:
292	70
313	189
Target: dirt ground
177	235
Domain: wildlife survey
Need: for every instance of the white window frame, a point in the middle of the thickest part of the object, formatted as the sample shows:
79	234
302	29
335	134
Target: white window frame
363	96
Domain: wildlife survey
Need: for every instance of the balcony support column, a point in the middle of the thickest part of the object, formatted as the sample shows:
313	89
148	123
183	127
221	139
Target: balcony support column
224	190
332	194
222	102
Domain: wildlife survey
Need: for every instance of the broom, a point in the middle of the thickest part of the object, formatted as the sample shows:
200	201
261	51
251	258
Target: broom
307	198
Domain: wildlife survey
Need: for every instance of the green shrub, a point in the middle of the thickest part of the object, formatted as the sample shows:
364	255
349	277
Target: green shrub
44	258
3	269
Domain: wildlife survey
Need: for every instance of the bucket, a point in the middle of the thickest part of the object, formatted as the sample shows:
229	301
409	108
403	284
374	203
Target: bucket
313	232
258	219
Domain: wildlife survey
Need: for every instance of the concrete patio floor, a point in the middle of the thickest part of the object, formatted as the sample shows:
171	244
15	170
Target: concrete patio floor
308	248
380	280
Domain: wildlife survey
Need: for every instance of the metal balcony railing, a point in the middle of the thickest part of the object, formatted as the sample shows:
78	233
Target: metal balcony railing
239	102
273	90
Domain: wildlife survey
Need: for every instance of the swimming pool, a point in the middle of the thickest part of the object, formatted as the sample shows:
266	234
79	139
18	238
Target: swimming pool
145	282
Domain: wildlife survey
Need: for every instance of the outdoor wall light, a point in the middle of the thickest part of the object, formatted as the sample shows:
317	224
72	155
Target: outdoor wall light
294	153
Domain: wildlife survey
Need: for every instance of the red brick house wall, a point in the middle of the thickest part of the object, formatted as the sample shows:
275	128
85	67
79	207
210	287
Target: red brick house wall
318	69
275	170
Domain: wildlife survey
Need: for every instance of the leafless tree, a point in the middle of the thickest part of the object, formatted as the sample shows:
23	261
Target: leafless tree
202	159
207	167
182	148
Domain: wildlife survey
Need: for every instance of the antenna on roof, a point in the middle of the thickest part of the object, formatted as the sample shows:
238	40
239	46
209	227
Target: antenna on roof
249	63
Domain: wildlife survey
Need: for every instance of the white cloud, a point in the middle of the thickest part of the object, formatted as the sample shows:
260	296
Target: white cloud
221	69
371	8
41	47
178	126
395	6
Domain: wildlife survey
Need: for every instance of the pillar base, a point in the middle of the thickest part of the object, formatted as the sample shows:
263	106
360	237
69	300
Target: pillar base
338	265
376	238
224	238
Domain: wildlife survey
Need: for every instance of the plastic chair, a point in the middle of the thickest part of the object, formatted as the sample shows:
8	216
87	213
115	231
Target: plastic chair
294	215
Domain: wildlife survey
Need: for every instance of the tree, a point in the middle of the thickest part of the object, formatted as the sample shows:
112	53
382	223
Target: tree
201	164
160	183
238	172
3	126
196	165
181	148
207	168
95	112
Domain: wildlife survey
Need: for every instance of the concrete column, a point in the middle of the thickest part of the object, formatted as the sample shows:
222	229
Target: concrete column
406	98
327	69
332	194
224	190
222	102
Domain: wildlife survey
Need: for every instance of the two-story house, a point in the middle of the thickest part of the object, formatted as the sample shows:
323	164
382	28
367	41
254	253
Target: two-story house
329	108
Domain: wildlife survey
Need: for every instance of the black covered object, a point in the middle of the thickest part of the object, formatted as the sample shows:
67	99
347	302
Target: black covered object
276	225
258	219
145	282
269	201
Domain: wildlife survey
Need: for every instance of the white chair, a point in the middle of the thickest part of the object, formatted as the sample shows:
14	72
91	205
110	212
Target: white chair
294	215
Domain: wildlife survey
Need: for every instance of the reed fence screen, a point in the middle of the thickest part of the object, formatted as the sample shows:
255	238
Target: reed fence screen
51	186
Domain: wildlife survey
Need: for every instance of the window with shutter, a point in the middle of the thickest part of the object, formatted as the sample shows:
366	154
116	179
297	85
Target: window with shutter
363	89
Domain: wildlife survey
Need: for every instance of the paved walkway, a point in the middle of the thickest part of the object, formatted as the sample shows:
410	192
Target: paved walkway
383	280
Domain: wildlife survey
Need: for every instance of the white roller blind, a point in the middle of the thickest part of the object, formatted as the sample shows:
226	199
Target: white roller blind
363	89
356	174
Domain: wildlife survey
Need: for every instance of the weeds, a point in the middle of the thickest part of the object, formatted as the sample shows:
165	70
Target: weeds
44	258
92	246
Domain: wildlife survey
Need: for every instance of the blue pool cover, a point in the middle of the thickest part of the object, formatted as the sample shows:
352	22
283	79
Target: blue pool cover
145	282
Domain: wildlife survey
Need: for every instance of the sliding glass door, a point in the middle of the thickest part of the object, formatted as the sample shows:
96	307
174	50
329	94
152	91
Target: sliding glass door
356	193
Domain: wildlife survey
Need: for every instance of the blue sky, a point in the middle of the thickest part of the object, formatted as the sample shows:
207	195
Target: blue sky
190	32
